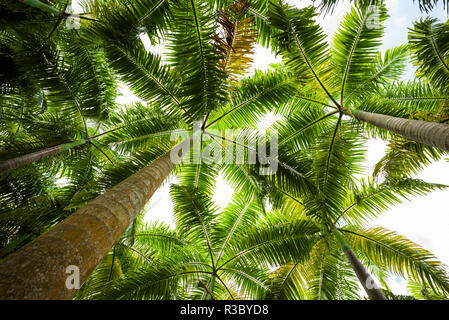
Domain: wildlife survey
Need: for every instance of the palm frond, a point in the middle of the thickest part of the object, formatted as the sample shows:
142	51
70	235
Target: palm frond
369	199
237	40
355	46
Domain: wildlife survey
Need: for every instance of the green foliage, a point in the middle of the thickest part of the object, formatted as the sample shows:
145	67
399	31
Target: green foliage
237	247
429	42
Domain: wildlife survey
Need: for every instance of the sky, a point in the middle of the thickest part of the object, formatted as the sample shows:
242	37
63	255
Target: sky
424	220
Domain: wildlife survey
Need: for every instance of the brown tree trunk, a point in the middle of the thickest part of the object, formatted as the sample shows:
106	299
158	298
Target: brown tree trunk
364	277
39	270
430	133
362	274
26	159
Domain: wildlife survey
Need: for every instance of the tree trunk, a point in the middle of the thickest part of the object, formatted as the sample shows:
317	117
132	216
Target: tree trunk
210	295
430	133
26	159
365	278
47	267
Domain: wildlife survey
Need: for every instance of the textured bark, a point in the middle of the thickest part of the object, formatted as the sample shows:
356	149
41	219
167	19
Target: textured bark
364	277
24	160
430	133
38	270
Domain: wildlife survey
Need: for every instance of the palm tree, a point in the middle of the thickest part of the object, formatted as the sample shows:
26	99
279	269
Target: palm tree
58	95
314	183
354	66
123	131
209	254
404	156
56	76
341	207
32	197
309	262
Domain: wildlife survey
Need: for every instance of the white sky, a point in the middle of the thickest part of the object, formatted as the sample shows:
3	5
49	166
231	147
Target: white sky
425	220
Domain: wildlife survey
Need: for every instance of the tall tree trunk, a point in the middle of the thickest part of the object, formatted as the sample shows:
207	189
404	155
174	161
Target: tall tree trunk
365	278
430	133
26	159
40	270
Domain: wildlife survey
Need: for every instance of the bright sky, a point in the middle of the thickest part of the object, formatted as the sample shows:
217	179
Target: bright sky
425	220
